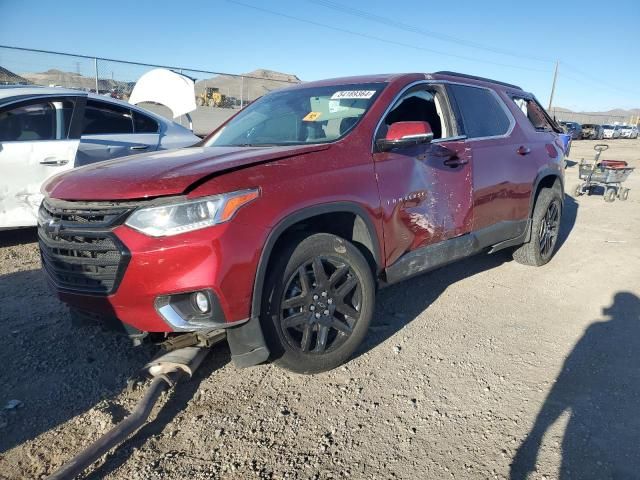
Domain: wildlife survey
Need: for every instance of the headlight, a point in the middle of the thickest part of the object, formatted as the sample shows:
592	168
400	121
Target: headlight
186	216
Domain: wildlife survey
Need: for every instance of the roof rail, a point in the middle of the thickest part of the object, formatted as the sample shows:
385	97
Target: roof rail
473	77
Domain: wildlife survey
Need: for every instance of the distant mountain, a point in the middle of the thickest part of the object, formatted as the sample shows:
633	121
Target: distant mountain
7	77
71	80
616	112
255	84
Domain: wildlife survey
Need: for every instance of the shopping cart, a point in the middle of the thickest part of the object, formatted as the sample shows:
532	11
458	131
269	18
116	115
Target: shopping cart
606	173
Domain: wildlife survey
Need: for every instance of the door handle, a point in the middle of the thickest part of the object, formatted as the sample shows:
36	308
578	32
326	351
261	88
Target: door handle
54	162
522	150
455	162
139	147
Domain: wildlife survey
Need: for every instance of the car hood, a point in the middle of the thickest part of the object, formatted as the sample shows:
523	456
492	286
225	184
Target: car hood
157	174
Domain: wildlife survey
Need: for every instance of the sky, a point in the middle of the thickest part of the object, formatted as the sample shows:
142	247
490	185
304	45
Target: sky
595	43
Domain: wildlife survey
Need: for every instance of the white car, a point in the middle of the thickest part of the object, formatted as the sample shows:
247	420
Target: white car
628	132
46	131
611	131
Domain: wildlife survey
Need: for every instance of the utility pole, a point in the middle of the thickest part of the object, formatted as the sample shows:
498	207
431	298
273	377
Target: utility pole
553	86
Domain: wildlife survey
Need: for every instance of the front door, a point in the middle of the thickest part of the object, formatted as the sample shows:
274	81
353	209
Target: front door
425	190
38	139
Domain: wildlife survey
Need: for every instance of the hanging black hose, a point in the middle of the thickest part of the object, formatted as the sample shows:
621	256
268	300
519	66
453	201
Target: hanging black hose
121	431
166	370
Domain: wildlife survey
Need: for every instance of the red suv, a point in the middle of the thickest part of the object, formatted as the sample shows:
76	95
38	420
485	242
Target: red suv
280	226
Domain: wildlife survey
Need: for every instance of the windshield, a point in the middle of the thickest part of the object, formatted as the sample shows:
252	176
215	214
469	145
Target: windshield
299	116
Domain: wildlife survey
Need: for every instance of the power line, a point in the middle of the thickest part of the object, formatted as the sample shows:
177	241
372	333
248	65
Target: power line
421	31
600	82
380	39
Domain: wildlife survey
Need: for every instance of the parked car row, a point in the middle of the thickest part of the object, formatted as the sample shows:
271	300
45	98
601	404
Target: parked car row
591	131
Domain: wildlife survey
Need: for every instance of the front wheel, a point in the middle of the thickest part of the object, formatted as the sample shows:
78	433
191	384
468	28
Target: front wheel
578	190
319	301
545	227
610	195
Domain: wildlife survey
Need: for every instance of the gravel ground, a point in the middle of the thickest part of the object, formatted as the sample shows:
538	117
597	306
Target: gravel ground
484	369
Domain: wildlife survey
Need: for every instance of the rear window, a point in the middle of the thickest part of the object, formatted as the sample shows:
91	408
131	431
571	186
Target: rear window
482	114
535	113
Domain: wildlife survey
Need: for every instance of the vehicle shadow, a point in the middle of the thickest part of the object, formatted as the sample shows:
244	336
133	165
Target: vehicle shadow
58	369
11	238
400	304
599	388
569	217
55	369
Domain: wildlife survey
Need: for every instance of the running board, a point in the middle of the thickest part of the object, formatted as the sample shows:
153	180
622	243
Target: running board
440	254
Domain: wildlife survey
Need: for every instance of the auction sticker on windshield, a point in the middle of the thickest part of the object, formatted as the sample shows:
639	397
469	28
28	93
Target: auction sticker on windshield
350	94
311	116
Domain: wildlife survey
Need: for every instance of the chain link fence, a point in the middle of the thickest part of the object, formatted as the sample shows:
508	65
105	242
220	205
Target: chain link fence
218	95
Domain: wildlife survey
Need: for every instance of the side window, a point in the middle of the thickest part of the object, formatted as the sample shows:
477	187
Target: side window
105	118
41	120
482	114
418	104
144	124
534	112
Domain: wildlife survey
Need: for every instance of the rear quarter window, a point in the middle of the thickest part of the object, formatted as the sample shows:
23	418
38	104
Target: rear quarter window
101	118
143	123
481	112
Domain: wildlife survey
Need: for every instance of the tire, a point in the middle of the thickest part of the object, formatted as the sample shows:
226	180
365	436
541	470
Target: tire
318	303
545	227
577	190
610	195
624	194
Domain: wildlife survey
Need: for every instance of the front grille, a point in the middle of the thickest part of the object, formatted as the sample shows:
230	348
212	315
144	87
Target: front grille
78	249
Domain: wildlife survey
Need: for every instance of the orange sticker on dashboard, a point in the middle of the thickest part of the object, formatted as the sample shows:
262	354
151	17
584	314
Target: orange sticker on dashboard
312	116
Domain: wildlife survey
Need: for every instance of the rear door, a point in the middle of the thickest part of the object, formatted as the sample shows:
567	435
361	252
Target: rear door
502	172
111	130
39	138
425	190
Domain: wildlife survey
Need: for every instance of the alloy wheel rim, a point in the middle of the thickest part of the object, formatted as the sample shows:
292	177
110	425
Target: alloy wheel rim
321	304
549	228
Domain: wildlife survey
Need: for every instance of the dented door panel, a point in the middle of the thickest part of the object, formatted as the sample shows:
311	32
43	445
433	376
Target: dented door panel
25	167
426	194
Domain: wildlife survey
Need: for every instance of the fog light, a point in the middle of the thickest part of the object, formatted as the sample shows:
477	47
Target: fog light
202	302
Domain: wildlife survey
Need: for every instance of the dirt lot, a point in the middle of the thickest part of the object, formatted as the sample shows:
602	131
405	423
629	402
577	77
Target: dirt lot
466	371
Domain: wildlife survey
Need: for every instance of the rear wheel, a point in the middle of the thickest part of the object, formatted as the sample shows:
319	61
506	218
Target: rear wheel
624	194
319	300
545	228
